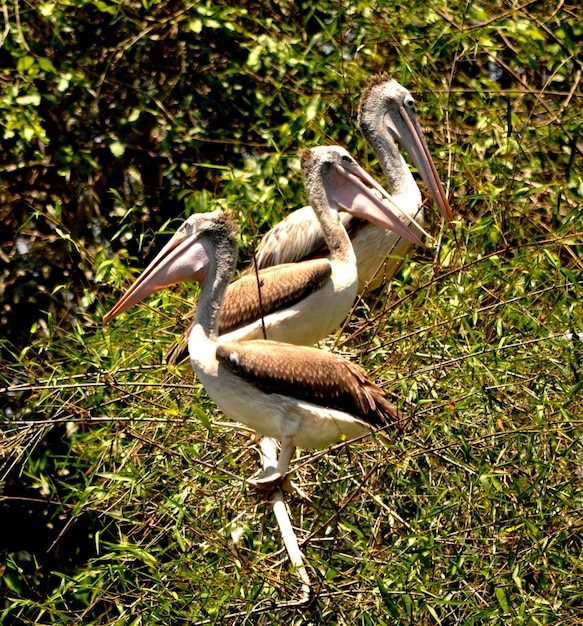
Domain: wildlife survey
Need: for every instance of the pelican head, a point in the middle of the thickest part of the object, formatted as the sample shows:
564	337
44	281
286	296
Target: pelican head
387	113
332	171
186	257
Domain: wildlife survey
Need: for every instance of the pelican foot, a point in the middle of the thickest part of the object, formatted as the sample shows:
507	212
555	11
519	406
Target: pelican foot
268	482
268	478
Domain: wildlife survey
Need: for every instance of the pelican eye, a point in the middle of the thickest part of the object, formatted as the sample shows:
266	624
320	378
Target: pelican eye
409	102
185	230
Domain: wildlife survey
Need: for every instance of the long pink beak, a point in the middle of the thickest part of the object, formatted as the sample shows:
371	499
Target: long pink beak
183	258
353	191
417	148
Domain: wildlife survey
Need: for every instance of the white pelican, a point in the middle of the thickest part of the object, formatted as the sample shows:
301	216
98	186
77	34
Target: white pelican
387	117
301	303
299	395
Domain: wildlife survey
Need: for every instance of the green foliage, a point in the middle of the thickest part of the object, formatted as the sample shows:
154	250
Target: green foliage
123	497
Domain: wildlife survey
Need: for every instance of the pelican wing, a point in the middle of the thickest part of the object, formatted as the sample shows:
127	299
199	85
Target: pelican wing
296	238
280	287
309	375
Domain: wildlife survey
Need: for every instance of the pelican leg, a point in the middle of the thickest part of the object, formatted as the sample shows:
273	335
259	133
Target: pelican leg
291	545
274	469
285	455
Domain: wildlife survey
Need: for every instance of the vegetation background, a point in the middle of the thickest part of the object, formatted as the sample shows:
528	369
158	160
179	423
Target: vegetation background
123	499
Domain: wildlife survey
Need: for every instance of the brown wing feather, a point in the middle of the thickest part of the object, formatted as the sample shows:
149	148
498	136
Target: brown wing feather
308	374
281	286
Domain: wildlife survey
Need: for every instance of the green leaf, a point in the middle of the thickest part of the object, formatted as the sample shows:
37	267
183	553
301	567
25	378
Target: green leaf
386	596
502	600
46	65
195	25
63	82
253	60
25	63
203	417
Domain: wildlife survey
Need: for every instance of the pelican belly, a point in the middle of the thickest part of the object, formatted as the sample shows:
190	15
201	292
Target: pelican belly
320	427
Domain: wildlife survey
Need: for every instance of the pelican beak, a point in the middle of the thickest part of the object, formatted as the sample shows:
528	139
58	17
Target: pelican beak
417	148
183	258
357	192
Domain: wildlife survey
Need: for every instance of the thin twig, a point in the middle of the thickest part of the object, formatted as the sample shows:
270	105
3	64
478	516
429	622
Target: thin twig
258	281
6	32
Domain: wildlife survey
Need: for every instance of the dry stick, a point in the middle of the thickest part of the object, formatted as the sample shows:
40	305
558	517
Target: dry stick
252	224
269	462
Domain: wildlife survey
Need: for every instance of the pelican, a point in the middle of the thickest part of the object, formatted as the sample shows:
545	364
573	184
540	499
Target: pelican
387	117
300	395
301	303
